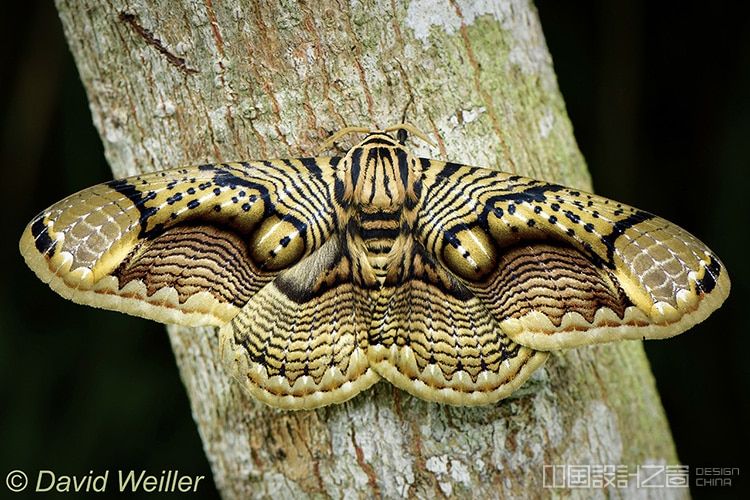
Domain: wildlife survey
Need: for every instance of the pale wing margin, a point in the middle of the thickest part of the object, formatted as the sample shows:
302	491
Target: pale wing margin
672	281
182	246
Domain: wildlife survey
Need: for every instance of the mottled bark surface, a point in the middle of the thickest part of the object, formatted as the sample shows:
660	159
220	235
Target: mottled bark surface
173	84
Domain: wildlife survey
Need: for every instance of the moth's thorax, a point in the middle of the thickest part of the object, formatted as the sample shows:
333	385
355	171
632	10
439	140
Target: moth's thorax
381	187
379	174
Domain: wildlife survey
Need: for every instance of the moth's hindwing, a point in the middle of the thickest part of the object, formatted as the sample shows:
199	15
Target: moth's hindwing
561	268
187	246
301	342
432	337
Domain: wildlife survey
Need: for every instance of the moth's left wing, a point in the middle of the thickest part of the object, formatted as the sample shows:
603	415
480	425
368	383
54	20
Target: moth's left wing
187	246
301	341
560	268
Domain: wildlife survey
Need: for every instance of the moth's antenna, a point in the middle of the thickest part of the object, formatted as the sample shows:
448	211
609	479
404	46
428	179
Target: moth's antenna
406	127
403	119
341	133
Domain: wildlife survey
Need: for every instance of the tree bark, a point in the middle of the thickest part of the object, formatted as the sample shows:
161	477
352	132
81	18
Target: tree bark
172	84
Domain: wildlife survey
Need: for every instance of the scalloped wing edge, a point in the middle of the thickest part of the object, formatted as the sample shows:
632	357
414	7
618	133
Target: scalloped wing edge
450	392
163	306
535	330
305	394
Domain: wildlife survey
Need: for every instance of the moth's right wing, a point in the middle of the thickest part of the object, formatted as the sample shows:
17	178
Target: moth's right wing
187	246
561	268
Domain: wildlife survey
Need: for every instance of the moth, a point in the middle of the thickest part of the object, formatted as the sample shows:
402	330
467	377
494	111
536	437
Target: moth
327	274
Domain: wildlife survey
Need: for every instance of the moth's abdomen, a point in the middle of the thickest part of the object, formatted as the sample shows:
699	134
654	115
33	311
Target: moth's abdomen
376	233
378	229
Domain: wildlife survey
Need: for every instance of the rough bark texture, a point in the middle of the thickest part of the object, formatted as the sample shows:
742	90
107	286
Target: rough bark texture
173	84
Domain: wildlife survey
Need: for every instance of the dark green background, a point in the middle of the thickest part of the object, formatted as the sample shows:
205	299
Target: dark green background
659	95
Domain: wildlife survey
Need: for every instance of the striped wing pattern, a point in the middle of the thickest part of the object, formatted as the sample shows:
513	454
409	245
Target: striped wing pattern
301	342
560	268
432	337
188	246
326	274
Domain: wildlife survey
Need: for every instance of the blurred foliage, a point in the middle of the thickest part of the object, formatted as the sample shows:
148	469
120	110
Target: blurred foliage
659	95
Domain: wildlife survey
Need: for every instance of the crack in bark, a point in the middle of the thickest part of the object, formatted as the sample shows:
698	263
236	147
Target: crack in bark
372	477
148	36
264	35
214	26
219	43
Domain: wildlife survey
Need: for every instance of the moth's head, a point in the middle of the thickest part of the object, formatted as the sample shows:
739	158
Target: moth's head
380	174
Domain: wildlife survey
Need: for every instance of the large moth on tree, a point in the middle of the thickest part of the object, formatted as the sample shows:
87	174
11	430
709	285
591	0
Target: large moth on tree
326	274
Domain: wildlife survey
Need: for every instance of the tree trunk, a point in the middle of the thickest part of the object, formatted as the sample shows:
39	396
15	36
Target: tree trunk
172	84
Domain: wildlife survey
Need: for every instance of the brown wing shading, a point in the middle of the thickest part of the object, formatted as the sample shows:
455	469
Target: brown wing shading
431	337
187	246
301	341
561	268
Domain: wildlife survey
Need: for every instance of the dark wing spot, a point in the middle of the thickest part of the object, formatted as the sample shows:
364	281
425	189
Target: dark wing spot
42	240
174	198
574	218
708	282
